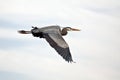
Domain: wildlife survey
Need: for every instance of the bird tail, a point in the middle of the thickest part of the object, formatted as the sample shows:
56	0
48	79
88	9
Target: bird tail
24	32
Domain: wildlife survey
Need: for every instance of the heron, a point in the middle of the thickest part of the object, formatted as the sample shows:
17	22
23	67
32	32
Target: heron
53	35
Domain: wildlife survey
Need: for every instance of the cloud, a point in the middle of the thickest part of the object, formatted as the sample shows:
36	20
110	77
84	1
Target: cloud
35	66
95	49
56	8
4	75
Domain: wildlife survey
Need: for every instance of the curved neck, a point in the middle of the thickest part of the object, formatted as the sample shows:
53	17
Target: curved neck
64	31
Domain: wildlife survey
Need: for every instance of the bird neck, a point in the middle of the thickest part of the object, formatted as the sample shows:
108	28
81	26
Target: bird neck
64	31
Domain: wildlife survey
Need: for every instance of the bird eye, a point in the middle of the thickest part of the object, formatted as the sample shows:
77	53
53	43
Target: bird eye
68	28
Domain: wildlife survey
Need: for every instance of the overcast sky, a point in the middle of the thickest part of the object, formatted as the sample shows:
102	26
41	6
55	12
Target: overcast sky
95	49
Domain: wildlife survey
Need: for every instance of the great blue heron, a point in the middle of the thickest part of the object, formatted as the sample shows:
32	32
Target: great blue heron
53	35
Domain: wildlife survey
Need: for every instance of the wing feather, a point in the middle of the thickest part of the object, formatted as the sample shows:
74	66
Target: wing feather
59	44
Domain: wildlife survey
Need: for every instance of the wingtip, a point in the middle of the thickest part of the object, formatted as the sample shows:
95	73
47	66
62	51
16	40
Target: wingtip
71	61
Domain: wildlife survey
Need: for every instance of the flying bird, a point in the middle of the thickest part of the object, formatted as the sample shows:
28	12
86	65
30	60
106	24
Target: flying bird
53	35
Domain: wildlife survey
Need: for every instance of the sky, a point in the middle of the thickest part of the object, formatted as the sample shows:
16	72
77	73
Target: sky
95	49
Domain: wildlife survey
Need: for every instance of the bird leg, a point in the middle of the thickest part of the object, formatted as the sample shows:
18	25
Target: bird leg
24	32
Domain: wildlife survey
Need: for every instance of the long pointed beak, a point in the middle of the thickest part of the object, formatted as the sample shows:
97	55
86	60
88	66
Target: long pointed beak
73	29
24	32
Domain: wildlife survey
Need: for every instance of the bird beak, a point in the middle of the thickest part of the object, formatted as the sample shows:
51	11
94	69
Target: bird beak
73	29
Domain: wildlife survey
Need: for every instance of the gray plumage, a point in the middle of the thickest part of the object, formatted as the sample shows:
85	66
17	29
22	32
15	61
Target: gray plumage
53	35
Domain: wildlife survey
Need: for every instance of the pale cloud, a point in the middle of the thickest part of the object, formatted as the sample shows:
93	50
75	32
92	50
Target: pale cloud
57	7
95	49
12	34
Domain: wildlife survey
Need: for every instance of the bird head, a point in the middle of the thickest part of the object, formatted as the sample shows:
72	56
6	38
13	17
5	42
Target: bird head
72	29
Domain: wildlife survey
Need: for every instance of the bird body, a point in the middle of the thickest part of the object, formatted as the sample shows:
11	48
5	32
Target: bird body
53	35
46	30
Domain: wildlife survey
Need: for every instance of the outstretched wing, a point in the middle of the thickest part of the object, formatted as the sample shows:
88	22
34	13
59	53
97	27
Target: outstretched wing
58	43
